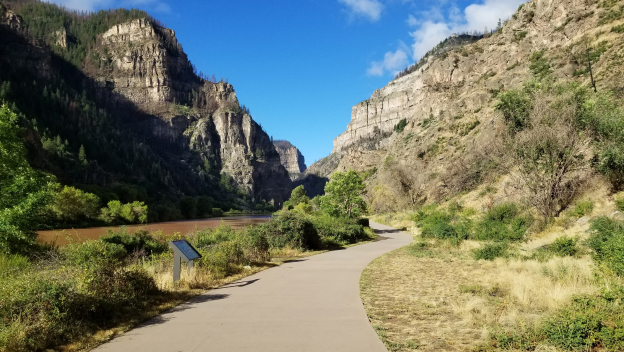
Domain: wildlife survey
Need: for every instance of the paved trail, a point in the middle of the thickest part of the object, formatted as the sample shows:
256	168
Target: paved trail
312	304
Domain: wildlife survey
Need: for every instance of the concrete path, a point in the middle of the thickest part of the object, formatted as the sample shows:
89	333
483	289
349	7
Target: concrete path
312	304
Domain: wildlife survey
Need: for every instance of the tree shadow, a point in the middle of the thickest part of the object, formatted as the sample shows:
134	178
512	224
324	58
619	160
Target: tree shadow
190	304
238	284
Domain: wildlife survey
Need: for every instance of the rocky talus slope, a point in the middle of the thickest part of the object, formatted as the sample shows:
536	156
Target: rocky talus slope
448	103
291	158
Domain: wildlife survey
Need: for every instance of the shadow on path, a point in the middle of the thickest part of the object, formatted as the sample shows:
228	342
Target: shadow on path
238	284
163	318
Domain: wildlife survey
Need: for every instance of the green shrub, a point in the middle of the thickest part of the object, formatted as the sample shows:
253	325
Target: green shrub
217	212
208	236
564	246
540	65
223	258
516	106
491	251
139	242
607	241
338	231
94	253
619	202
49	308
290	229
255	245
400	127
443	224
503	223
582	208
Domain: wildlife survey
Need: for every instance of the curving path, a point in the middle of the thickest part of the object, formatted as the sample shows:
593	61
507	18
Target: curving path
312	304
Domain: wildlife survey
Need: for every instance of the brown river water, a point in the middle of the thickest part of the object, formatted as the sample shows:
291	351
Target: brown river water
64	237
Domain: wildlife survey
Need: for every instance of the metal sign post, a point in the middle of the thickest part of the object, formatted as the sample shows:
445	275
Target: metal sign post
182	250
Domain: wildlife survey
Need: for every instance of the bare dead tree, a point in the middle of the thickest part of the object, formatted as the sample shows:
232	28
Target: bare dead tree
552	156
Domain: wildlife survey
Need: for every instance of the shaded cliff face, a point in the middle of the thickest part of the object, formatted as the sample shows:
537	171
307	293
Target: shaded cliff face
448	103
291	158
145	64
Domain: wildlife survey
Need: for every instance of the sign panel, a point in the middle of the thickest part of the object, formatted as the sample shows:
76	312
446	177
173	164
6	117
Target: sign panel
186	250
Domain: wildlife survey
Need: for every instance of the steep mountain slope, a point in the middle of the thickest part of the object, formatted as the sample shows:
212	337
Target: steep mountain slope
118	86
434	125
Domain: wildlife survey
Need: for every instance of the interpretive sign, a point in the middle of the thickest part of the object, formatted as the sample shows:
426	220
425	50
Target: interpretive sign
182	250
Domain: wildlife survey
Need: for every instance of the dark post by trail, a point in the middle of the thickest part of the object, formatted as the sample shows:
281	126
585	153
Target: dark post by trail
591	72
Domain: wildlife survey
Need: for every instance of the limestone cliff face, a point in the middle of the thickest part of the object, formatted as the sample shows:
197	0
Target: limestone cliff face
144	64
291	158
448	103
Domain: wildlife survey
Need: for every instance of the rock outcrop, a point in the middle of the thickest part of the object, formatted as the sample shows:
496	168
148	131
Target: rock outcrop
291	158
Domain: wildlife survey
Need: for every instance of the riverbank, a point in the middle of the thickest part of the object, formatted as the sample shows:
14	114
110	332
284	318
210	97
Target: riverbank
83	294
64	237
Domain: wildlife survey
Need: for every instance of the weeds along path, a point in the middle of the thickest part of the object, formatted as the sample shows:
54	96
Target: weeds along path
312	304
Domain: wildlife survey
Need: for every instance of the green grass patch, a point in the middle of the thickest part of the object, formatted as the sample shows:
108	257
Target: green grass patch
582	208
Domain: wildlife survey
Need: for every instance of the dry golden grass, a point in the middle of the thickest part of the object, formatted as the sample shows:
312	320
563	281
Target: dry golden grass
441	300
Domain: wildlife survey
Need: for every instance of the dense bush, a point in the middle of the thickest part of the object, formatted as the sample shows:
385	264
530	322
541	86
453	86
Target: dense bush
564	246
607	241
491	251
339	232
217	212
84	290
131	213
503	223
224	250
140	242
291	229
72	204
443	224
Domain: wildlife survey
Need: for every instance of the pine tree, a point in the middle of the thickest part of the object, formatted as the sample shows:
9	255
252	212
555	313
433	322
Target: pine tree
82	156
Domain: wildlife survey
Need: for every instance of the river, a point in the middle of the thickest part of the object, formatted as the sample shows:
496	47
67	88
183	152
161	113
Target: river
66	236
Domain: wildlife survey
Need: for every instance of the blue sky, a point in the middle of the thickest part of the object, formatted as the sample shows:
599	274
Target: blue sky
301	65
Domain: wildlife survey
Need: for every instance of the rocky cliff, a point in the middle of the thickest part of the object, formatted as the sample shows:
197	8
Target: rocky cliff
447	105
291	158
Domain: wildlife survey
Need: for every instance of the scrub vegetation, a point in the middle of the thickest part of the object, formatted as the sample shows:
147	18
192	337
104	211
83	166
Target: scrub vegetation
83	294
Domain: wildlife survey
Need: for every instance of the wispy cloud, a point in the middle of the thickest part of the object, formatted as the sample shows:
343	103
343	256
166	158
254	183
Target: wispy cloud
393	62
369	9
441	21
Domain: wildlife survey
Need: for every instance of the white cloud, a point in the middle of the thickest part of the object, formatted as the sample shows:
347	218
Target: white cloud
393	62
370	9
475	17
